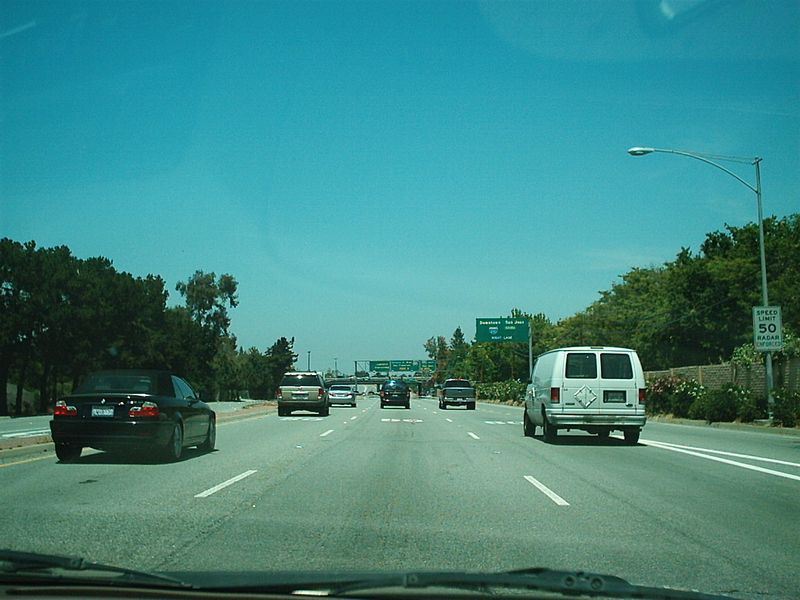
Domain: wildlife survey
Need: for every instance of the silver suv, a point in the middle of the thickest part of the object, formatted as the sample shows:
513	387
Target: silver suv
302	391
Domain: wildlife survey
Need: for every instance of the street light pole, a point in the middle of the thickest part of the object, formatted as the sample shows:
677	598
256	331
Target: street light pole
756	161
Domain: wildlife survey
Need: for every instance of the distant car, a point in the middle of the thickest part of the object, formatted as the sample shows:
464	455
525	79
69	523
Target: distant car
302	390
395	392
342	394
132	409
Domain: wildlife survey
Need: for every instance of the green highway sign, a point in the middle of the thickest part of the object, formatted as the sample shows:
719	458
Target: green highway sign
401	366
501	330
404	365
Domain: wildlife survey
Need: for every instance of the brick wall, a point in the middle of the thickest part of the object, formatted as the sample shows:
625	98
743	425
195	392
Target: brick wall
786	373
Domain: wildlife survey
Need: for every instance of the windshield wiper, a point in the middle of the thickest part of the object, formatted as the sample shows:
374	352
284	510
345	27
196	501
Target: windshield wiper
48	567
535	579
353	584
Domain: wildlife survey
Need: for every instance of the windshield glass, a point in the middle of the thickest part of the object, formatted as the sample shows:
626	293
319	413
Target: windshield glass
259	198
117	382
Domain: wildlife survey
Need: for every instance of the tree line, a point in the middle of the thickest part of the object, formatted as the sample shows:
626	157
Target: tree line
64	317
695	309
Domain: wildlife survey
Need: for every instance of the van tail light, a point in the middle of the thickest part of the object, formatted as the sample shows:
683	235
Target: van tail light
63	410
641	395
555	395
320	393
147	409
280	393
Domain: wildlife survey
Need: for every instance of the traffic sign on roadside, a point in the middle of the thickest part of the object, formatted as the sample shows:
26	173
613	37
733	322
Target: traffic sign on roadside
767	329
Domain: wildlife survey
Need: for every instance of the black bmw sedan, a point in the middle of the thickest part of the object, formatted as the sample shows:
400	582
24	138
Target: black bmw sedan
123	409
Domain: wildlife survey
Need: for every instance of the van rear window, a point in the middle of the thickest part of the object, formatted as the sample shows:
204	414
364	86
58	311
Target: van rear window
581	365
616	366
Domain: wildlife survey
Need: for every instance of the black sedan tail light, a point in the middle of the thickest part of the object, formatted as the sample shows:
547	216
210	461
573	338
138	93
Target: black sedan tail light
62	409
147	409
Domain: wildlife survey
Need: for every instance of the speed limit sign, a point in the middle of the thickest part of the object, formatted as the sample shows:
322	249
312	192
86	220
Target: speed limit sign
767	328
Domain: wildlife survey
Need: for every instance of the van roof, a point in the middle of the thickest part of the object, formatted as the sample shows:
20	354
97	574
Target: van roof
590	349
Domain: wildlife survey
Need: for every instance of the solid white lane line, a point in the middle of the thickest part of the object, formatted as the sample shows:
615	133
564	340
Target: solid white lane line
26	433
734	454
330	431
224	484
469	433
547	491
723	460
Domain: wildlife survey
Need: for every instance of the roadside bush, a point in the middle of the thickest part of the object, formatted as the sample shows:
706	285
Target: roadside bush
501	391
659	394
787	407
752	408
672	395
722	405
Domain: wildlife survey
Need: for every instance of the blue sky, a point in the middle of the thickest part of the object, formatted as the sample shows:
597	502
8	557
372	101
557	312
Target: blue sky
377	173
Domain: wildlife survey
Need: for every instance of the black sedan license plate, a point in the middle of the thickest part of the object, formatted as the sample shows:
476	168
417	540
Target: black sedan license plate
102	411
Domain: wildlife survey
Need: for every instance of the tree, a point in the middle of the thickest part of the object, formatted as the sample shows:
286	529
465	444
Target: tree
206	298
280	358
437	350
226	368
457	354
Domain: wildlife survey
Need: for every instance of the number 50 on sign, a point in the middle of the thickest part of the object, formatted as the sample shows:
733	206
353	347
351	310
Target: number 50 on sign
767	329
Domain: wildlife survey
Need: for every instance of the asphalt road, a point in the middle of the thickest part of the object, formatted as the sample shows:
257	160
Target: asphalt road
693	507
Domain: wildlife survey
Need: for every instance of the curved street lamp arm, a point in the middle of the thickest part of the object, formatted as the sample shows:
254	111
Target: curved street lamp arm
638	151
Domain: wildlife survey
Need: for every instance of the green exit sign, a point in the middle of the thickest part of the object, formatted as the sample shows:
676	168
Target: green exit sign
501	330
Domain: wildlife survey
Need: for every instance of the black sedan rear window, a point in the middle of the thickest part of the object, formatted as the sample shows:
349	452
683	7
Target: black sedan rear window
138	384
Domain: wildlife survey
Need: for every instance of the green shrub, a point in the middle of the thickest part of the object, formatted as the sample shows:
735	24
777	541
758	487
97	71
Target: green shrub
752	408
725	405
787	407
501	391
659	394
686	393
698	409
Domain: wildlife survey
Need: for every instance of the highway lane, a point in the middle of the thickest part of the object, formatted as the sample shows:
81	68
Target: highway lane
426	488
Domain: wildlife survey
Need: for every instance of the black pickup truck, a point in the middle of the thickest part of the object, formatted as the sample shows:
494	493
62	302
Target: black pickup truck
457	392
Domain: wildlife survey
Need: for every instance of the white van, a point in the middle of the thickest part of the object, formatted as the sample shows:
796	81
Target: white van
597	389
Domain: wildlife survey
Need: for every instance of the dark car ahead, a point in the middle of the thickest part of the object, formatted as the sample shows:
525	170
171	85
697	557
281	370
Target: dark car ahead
132	409
395	392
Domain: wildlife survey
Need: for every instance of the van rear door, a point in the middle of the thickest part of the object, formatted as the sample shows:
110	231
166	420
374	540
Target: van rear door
620	390
580	388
